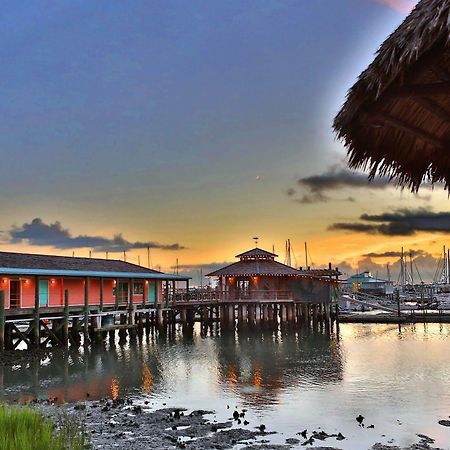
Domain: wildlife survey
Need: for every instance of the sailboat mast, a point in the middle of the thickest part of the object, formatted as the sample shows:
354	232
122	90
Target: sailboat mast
306	255
402	266
411	267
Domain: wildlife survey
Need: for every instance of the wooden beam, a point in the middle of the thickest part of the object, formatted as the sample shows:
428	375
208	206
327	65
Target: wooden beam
410	129
434	107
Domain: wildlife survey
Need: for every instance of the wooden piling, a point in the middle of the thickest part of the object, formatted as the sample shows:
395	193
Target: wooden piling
2	320
101	295
66	318
37	324
86	311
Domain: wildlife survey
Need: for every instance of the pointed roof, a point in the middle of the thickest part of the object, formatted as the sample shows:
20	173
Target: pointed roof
256	253
256	262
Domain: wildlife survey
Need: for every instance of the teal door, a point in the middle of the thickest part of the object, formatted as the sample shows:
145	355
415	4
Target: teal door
43	292
152	287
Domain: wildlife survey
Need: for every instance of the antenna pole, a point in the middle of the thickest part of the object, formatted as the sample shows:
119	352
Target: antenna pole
306	255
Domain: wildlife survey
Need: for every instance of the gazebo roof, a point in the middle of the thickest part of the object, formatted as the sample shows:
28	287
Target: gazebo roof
256	253
396	118
255	268
256	262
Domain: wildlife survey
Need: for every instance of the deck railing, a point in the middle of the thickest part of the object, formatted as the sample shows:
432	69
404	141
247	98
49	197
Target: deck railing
208	296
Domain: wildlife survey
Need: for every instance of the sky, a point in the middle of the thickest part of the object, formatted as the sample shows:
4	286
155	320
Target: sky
192	127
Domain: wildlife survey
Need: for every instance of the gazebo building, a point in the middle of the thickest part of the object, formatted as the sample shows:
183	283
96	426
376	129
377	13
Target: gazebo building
257	276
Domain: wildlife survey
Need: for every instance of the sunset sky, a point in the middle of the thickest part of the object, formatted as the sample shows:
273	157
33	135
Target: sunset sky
194	126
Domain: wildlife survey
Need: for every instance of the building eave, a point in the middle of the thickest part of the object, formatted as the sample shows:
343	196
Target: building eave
95	274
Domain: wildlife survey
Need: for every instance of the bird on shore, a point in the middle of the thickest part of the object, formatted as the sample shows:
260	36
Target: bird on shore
262	427
360	420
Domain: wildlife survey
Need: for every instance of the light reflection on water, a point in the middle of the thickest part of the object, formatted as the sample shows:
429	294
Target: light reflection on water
398	378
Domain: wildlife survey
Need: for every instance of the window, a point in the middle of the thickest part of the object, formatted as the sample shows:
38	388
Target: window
138	288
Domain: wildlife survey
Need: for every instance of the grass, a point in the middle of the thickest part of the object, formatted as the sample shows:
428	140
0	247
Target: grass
25	428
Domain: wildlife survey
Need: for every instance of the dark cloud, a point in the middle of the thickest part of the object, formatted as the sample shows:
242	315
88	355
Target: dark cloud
354	226
337	178
394	254
401	222
54	235
316	197
290	192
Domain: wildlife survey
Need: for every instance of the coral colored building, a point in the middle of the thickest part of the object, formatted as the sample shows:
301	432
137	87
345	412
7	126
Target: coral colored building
27	279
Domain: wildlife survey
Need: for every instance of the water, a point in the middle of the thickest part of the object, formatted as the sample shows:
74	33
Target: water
398	379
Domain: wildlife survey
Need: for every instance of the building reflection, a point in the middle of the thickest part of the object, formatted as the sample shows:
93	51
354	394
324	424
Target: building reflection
256	365
259	367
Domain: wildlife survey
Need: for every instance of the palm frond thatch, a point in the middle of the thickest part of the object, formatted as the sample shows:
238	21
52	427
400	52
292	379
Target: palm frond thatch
396	118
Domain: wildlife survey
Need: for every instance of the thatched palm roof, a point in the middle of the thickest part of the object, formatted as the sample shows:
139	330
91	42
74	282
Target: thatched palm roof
396	119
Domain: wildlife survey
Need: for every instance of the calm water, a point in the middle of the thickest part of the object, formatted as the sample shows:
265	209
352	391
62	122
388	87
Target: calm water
398	379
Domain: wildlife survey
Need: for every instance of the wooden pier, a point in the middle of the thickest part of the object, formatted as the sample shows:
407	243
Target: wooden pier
42	327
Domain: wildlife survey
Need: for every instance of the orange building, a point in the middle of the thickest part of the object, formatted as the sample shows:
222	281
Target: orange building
30	280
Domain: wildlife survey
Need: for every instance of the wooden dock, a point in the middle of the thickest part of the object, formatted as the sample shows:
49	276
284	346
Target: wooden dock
89	324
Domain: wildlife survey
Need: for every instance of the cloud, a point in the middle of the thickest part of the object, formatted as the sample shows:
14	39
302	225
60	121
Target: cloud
290	192
394	254
402	6
54	235
316	187
313	198
338	178
401	222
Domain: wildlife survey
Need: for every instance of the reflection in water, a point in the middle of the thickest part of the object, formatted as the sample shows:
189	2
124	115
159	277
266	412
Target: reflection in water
288	379
147	380
114	389
256	365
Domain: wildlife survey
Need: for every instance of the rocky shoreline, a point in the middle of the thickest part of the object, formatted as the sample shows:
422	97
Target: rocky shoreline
122	423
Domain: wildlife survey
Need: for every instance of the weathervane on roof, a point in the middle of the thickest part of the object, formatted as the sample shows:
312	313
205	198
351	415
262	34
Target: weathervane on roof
256	241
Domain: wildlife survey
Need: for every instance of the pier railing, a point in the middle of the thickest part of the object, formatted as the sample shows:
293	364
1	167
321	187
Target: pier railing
230	296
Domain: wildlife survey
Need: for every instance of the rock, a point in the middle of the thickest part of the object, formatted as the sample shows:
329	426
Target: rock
80	407
445	423
303	433
262	428
292	441
235	415
310	441
340	437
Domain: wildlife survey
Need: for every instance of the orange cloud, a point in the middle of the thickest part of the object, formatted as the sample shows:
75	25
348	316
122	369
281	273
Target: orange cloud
402	6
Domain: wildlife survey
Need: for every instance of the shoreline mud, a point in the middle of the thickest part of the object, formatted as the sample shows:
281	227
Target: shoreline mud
131	424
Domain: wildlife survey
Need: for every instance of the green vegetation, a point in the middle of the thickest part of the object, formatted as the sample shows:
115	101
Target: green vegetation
26	428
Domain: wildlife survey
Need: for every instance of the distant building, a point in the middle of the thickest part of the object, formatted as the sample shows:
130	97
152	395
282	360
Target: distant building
366	282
